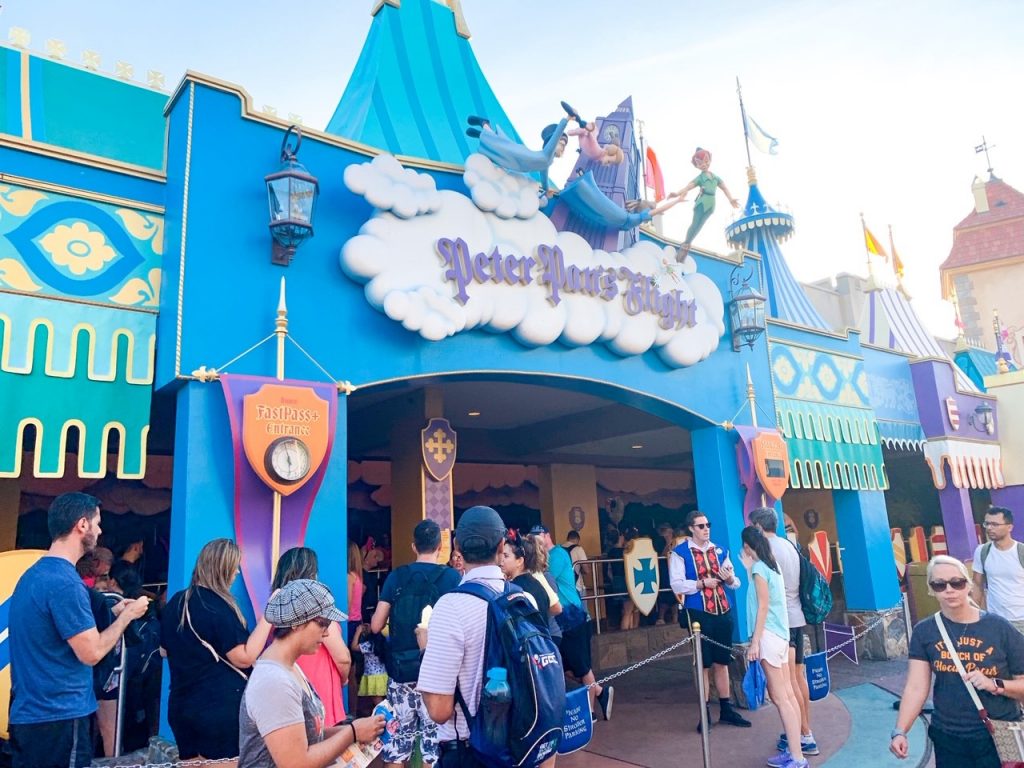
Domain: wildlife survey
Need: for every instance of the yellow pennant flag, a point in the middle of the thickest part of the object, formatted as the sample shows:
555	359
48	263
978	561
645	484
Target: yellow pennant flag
874	247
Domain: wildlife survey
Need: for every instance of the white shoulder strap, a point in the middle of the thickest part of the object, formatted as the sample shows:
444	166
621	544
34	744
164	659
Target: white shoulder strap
951	649
206	645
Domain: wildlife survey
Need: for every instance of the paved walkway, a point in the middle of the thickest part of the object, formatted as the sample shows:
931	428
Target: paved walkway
655	715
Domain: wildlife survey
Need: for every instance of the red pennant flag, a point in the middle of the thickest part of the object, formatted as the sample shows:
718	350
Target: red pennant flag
652	176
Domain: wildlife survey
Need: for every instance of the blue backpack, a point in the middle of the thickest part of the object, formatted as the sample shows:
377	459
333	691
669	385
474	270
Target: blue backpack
518	641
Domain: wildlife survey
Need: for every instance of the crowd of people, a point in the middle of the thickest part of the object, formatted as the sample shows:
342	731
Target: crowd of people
272	694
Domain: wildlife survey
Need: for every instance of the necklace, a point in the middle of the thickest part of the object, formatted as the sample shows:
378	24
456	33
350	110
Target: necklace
959	627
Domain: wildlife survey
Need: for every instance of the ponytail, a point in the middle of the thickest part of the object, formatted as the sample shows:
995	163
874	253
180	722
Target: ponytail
754	538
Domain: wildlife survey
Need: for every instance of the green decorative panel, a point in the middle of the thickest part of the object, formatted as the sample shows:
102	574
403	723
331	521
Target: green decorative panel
832	446
79	291
64	366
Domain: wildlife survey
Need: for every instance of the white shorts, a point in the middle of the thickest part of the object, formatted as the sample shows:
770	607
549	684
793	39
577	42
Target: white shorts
774	649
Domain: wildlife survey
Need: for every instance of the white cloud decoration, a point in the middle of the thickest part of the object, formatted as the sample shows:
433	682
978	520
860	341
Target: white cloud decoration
400	262
387	186
506	195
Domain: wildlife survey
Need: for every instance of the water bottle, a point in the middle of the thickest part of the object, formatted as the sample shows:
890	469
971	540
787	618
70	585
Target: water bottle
495	702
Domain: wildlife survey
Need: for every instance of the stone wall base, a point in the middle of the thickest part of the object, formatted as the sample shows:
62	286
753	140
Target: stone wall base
886	641
615	650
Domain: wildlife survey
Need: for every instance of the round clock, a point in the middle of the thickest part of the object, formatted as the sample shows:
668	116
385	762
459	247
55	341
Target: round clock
287	460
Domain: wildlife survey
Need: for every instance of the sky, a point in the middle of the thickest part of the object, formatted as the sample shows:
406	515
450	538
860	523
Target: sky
877	106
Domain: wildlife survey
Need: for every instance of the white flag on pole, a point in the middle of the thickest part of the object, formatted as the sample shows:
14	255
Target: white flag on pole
760	139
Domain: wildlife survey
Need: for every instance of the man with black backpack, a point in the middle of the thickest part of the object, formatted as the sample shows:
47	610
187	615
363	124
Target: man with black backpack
491	676
407	591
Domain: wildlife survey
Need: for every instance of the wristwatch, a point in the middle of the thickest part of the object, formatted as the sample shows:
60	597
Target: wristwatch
897	732
1000	686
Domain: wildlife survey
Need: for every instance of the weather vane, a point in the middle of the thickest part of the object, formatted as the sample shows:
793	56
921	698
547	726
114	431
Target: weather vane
985	147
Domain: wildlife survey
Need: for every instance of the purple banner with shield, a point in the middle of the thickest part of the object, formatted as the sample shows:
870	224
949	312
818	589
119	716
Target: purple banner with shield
254	499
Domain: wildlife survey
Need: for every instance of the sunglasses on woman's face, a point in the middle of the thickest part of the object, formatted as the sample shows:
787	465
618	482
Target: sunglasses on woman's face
939	585
322	622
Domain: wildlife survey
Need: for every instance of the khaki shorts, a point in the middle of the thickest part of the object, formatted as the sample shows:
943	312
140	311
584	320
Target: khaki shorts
774	649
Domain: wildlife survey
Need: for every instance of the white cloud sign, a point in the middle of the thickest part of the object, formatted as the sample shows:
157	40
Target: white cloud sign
455	267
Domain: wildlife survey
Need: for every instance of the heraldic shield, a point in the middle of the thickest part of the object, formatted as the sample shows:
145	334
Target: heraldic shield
438	442
771	462
642	577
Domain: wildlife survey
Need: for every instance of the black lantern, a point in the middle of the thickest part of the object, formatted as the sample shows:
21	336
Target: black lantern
982	419
292	193
746	308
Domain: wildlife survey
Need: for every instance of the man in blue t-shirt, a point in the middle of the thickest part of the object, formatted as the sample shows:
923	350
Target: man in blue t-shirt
54	644
407	591
575	623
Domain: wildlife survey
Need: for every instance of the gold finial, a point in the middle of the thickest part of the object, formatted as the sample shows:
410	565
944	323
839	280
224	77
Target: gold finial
1002	366
281	330
294	119
346	387
751	175
751	398
155	79
56	49
90	60
124	70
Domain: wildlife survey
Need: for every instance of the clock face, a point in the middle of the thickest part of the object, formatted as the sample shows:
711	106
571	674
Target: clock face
287	460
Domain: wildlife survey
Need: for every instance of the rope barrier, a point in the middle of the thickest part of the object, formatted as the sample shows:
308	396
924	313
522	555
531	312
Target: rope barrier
829	651
603	681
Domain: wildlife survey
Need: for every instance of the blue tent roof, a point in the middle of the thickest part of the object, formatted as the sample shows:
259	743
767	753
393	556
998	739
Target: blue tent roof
759	230
415	83
979	363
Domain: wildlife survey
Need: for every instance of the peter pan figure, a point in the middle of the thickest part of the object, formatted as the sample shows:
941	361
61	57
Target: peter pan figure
708	184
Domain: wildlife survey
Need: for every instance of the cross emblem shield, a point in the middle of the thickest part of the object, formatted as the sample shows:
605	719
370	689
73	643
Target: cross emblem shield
438	442
577	517
642	576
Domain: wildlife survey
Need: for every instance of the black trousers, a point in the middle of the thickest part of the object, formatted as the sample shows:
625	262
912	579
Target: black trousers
958	751
57	744
457	754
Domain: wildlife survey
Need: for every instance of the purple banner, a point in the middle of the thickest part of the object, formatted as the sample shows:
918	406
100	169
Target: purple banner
254	502
839	639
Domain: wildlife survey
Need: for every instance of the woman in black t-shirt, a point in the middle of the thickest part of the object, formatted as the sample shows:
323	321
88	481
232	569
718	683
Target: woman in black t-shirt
992	653
209	649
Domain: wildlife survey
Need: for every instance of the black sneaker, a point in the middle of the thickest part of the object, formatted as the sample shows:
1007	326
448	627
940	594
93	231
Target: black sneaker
732	717
605	701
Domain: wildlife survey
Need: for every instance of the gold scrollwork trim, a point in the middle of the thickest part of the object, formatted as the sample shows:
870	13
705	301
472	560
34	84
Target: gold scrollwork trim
810	347
69	373
37	471
82	158
796	326
184	228
84	194
248	112
86	302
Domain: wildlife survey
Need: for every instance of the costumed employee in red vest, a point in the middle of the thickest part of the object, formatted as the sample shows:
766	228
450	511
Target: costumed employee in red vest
699	571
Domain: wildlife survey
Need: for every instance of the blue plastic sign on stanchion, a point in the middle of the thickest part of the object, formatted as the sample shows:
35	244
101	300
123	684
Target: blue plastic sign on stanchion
818	680
578	727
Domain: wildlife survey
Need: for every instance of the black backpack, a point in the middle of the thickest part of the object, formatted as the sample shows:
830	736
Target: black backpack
416	590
